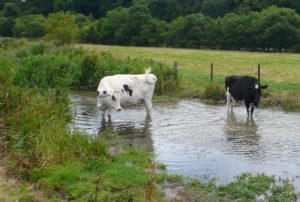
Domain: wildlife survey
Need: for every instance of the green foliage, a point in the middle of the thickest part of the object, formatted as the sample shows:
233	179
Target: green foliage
10	10
90	33
6	26
265	25
291	102
31	26
246	187
215	92
44	66
62	27
113	178
112	28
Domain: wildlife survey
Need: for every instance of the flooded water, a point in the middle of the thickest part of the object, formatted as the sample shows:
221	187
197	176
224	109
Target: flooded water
198	140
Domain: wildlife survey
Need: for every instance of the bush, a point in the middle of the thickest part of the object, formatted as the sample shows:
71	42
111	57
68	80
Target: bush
62	27
44	66
291	102
31	26
214	92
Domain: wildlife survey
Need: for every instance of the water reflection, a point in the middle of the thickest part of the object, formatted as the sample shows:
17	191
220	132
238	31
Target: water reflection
228	144
136	134
242	134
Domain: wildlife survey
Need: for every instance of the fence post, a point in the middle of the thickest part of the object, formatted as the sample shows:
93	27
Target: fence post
175	65
211	72
258	73
175	70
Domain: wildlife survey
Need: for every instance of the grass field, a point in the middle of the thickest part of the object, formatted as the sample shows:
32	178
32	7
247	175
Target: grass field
281	71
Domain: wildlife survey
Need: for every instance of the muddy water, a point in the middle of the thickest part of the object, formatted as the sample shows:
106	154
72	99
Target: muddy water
199	140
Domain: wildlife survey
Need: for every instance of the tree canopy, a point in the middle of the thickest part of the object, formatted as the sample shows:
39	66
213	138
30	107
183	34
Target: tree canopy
265	25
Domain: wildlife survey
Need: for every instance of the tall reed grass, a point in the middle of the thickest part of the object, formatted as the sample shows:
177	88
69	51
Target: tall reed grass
34	83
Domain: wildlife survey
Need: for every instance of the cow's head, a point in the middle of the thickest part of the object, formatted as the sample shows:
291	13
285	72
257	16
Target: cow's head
256	89
114	100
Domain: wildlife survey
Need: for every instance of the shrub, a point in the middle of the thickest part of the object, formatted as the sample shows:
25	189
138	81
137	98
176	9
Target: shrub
31	26
62	27
291	102
214	92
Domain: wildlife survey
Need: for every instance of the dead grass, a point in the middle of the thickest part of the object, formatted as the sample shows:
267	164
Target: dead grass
11	189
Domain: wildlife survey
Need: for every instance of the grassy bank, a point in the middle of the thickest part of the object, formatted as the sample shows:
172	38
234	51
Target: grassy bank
281	71
52	163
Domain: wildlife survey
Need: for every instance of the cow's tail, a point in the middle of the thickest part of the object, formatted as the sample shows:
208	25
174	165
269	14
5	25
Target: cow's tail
148	70
150	78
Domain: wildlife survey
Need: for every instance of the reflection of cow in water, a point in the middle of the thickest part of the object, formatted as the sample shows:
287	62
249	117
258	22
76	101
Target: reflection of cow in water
139	136
242	133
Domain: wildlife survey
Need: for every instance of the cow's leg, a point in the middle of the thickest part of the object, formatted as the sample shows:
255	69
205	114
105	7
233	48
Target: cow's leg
109	115
103	113
247	108
148	104
233	101
228	96
252	109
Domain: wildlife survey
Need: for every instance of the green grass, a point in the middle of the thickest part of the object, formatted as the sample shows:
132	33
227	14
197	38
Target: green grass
280	70
121	177
74	166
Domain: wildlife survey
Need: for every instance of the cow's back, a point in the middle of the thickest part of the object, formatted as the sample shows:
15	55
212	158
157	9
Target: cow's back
239	86
132	87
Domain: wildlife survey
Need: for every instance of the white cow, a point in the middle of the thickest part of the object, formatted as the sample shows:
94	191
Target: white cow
125	89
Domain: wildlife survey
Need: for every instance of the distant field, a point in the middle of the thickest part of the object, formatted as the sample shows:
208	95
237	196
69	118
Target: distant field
280	70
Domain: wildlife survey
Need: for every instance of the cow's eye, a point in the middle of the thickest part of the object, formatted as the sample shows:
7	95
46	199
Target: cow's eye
113	98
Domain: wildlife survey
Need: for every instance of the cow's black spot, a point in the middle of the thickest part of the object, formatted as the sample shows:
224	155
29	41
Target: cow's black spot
104	92
126	88
122	90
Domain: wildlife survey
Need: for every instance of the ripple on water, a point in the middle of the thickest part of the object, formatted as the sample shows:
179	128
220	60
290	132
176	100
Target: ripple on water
195	139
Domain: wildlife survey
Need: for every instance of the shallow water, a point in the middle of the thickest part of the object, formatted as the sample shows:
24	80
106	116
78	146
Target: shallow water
199	140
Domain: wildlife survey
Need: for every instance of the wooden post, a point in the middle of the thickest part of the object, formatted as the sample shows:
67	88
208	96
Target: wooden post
175	70
211	72
175	65
258	73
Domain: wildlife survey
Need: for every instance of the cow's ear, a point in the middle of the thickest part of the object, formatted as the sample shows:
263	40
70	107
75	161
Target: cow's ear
264	87
113	98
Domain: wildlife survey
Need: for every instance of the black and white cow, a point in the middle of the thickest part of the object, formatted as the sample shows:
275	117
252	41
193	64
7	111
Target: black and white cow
125	89
243	88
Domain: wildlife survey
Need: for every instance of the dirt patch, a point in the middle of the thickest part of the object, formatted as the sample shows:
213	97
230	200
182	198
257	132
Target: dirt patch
11	189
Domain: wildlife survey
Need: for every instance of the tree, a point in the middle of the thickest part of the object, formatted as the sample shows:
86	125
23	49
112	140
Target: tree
281	36
31	26
138	16
6	26
39	6
153	33
189	31
90	33
62	27
216	8
87	7
10	10
112	28
63	5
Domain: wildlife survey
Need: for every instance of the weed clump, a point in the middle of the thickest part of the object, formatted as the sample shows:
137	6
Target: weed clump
214	92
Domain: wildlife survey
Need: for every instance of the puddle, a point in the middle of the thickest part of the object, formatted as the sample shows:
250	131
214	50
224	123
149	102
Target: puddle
196	140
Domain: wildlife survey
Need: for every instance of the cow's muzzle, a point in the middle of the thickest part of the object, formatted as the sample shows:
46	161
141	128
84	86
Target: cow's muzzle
119	109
